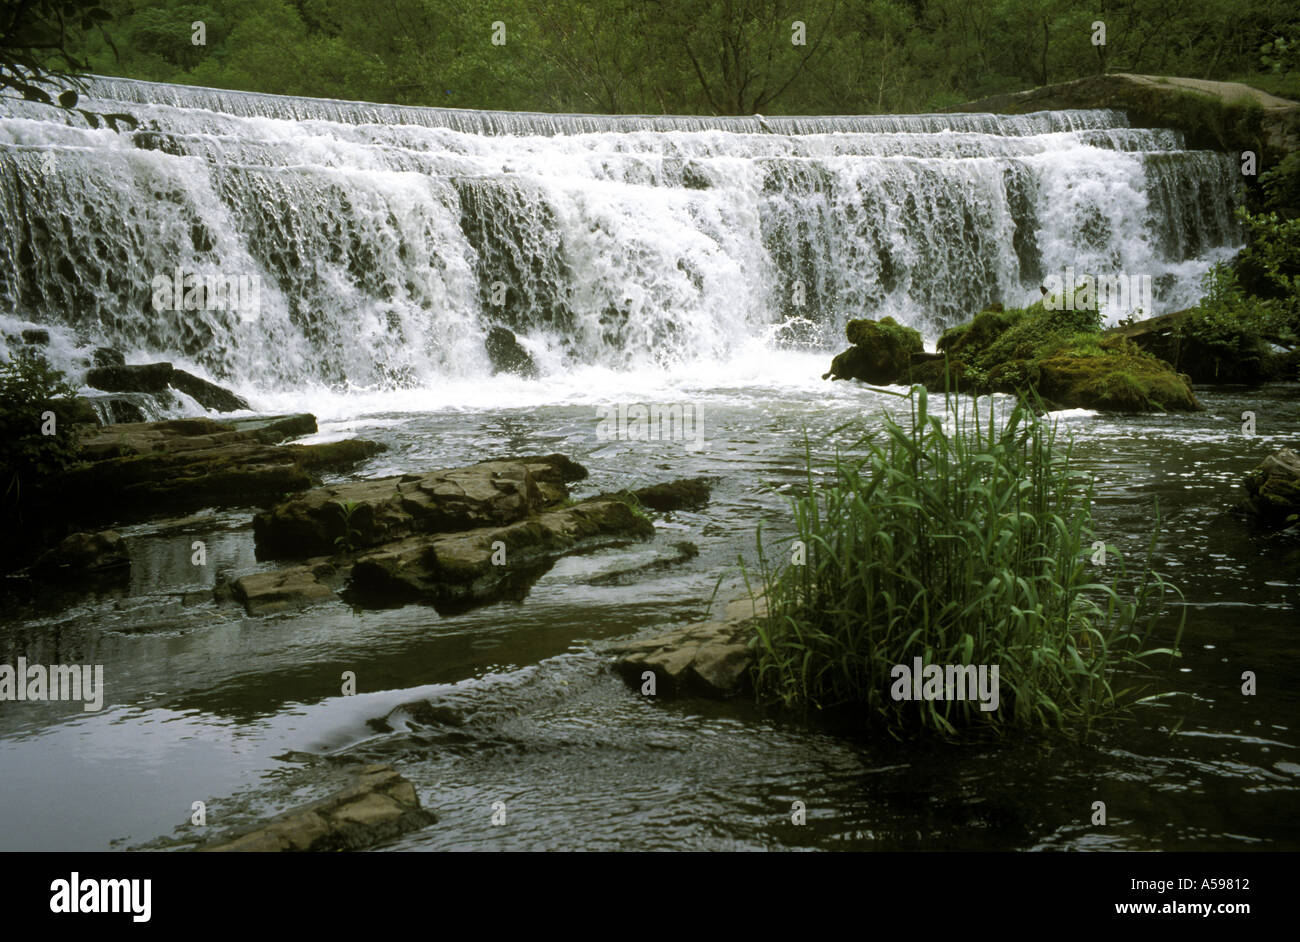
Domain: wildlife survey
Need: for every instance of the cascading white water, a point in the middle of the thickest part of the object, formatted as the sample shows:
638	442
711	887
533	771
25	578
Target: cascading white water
387	240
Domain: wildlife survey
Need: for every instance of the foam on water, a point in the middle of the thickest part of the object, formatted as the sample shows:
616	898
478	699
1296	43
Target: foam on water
628	254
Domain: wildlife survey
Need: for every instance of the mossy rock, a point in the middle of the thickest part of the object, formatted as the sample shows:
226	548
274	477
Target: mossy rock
1122	378
957	376
1058	355
881	352
978	334
1273	489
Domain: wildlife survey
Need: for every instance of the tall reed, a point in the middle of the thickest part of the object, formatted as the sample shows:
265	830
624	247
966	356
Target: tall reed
959	538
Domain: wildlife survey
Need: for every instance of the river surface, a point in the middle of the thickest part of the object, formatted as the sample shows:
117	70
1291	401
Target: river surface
514	702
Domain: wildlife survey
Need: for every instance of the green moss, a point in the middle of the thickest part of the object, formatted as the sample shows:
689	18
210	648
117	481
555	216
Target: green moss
881	352
1117	379
986	327
885	330
1061	356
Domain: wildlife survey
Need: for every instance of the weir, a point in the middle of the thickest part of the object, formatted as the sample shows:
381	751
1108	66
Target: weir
382	237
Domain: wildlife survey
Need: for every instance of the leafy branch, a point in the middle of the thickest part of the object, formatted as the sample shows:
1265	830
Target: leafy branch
35	56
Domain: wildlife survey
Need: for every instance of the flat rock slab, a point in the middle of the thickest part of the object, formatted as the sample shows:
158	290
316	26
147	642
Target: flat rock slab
150	468
473	566
175	436
172	436
710	659
272	429
267	593
378	806
365	514
1160	101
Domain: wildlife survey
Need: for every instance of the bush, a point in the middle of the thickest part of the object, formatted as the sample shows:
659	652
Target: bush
31	394
1281	187
959	541
1225	329
1269	266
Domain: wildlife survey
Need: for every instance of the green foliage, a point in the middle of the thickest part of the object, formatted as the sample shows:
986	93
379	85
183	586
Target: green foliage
1281	186
959	539
1246	306
1281	54
31	389
1258	297
1274	252
690	56
347	542
1227	323
37	38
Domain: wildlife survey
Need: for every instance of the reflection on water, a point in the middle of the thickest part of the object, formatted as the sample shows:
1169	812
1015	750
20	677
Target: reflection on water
512	702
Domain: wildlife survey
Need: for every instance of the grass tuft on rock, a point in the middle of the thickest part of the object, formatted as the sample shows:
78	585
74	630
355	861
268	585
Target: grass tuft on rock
962	539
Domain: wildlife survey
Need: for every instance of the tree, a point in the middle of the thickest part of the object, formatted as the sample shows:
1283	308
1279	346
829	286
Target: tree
743	52
36	58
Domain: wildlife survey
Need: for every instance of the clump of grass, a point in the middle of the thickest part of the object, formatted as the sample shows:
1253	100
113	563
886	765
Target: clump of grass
346	543
960	539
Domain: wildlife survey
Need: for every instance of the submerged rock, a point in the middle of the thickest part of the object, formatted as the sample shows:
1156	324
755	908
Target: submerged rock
147	377
107	356
81	554
37	337
116	408
508	355
208	395
682	494
1273	489
378	806
80	411
881	352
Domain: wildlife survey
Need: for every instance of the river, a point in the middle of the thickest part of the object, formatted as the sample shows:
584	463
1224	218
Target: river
521	708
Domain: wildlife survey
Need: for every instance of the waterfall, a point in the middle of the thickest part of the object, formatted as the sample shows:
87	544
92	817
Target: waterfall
385	241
